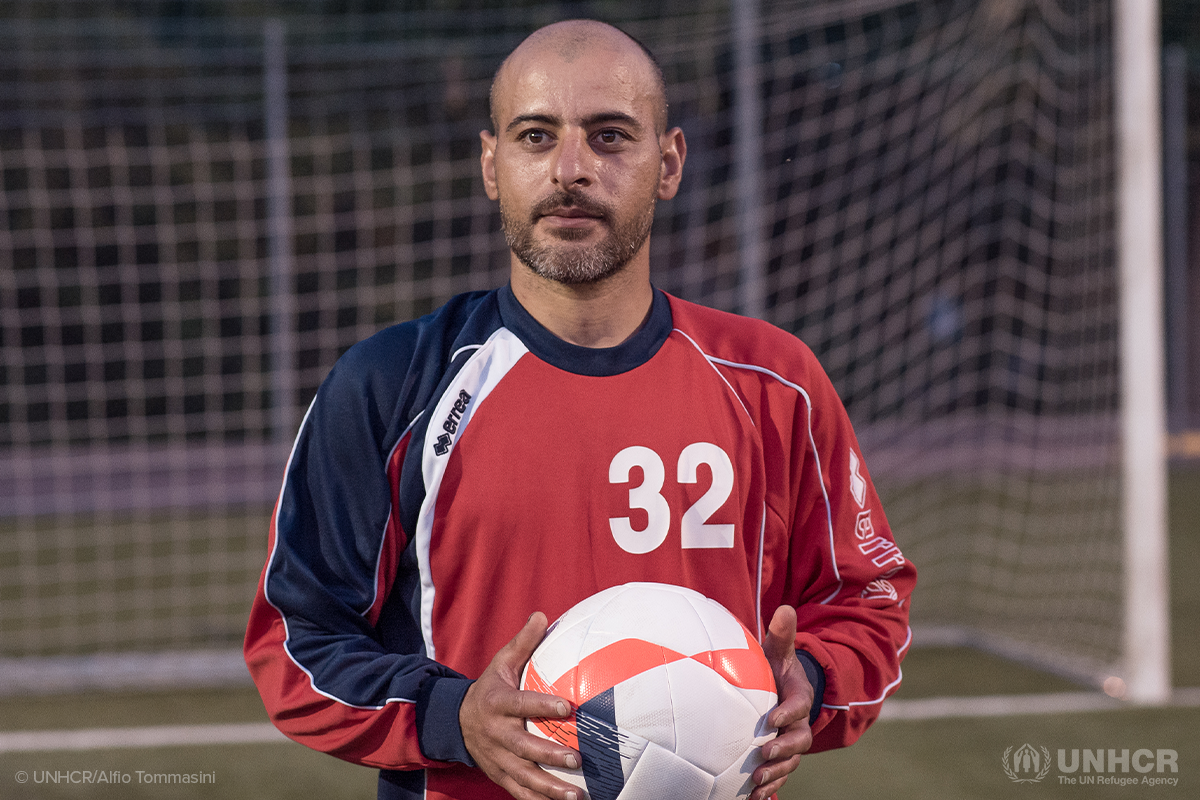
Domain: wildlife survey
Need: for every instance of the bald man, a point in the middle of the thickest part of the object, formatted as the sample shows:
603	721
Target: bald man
461	478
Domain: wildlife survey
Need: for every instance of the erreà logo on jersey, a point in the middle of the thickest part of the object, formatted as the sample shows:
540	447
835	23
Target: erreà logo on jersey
450	426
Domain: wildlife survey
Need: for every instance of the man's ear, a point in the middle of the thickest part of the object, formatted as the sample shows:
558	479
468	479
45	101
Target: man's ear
487	164
673	147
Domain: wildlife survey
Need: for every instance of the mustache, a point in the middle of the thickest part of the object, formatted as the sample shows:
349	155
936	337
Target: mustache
562	200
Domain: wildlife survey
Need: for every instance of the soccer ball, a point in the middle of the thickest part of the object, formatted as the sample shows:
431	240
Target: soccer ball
670	695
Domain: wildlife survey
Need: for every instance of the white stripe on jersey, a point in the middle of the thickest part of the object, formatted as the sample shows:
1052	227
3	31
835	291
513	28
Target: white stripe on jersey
486	367
710	360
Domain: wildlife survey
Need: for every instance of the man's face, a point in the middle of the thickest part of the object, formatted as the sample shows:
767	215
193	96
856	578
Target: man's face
567	248
577	161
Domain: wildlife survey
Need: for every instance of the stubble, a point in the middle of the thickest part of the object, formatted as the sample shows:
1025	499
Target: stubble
560	259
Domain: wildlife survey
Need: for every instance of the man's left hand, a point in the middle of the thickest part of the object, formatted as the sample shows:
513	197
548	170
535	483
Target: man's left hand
791	715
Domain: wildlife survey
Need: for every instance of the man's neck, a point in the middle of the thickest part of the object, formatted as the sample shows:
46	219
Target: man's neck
602	314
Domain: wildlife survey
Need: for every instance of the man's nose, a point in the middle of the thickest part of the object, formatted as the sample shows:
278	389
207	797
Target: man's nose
574	164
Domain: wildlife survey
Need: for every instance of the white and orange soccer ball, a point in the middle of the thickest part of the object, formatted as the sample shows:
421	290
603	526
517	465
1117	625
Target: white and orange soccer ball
670	694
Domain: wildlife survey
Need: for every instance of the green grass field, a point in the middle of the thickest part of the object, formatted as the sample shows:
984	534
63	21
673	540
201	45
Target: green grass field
957	758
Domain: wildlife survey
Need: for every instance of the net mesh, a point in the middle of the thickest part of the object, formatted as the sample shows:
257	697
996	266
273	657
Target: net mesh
935	205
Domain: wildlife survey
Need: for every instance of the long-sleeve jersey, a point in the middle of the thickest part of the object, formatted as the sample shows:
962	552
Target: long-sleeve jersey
458	472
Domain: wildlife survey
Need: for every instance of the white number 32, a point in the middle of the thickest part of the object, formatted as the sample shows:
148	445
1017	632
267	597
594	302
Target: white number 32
695	529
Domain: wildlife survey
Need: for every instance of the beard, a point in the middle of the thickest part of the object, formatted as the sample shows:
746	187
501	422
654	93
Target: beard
576	265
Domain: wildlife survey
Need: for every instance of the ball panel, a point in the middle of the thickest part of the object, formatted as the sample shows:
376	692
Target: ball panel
608	752
762	701
735	782
744	665
600	748
616	663
724	629
651	612
644	707
563	646
662	775
563	731
571	776
712	720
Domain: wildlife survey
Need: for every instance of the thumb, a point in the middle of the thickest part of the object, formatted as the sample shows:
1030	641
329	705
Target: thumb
780	643
518	650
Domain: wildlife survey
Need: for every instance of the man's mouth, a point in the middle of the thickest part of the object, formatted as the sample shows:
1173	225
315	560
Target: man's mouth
564	207
572	212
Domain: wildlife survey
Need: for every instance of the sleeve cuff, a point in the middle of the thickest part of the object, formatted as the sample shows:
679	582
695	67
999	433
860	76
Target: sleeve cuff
816	676
438	731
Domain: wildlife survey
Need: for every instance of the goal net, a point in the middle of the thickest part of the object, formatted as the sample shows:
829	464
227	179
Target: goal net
202	212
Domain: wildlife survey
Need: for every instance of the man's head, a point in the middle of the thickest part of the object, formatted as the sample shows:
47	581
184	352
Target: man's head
580	152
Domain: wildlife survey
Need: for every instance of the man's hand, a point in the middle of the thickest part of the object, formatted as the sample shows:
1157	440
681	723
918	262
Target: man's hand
791	715
492	717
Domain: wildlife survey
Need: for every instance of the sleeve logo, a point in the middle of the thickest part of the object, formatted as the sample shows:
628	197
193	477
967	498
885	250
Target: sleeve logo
882	551
880	589
858	486
863	527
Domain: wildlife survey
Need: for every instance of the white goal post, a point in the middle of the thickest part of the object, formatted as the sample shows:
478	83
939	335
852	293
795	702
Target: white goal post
1143	379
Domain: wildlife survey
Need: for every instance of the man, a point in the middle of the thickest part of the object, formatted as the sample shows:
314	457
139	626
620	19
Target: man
460	478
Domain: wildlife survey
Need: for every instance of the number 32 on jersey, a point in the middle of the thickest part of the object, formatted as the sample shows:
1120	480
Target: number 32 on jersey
695	529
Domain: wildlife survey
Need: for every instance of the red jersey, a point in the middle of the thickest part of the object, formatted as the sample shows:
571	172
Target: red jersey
457	473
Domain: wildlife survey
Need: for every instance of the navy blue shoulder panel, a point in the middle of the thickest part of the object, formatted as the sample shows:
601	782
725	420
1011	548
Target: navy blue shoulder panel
335	504
403	364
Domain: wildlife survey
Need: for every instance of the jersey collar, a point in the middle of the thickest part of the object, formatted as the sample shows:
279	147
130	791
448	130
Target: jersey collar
592	361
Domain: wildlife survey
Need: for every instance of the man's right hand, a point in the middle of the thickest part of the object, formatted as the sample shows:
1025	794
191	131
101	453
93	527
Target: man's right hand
492	717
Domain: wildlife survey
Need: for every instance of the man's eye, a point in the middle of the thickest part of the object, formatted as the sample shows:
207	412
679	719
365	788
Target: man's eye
535	137
610	137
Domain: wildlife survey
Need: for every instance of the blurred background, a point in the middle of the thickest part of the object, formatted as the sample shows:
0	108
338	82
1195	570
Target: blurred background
205	203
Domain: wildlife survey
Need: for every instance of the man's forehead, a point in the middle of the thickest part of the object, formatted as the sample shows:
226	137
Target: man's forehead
573	91
581	65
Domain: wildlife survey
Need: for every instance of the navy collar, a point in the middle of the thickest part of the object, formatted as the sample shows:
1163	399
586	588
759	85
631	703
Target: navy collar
596	362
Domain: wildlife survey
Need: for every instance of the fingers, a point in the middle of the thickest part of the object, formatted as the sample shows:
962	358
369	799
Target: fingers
507	667
791	743
783	757
523	779
492	718
488	699
790	717
772	777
